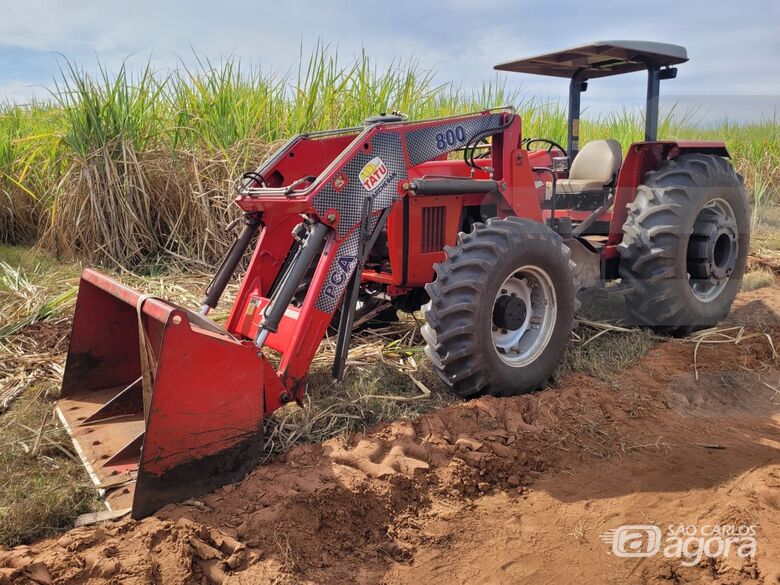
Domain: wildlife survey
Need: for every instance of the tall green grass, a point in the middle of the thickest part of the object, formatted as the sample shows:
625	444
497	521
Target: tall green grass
136	167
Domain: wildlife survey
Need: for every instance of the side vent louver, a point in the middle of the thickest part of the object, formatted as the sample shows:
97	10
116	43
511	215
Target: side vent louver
433	219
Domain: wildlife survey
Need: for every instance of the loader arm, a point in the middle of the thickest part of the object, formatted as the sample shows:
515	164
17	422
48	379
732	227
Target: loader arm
371	169
163	404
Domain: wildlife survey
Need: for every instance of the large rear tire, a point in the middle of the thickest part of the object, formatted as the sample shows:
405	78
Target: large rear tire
501	309
685	244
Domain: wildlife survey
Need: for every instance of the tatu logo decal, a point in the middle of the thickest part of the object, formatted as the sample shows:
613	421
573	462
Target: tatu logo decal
372	175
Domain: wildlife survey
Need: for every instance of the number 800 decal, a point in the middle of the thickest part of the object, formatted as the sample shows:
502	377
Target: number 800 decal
450	138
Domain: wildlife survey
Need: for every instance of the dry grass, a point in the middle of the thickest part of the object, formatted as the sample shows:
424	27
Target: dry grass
43	488
764	259
387	378
601	343
136	211
42	484
599	349
758	278
765	231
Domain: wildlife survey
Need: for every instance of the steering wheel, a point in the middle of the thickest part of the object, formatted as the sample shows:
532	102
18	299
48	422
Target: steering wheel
552	144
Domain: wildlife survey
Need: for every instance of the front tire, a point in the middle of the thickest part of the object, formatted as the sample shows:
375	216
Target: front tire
501	309
685	244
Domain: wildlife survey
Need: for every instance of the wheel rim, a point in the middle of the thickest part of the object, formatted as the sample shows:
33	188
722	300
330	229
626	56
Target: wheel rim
712	250
524	314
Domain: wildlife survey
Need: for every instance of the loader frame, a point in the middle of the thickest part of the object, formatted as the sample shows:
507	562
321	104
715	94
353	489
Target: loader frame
319	176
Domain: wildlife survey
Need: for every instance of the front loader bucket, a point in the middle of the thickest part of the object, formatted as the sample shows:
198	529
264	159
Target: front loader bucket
161	403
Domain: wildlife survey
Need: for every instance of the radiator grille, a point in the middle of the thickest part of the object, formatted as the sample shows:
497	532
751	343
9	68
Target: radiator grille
433	229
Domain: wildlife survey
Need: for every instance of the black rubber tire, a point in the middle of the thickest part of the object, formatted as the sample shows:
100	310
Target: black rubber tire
654	250
458	329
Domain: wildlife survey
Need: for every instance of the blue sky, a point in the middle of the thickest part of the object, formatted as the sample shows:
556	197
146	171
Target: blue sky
734	47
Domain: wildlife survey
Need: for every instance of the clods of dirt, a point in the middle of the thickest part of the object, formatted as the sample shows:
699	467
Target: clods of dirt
515	490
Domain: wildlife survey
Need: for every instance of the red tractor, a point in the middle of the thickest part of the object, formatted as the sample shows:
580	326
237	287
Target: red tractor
494	244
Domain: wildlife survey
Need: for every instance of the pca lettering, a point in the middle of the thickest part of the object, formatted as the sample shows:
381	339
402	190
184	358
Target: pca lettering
339	276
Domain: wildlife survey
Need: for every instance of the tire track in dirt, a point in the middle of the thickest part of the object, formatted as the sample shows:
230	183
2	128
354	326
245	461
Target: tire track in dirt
492	490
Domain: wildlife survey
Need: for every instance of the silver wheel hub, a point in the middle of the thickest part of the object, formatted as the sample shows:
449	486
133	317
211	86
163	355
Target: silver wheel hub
713	248
524	314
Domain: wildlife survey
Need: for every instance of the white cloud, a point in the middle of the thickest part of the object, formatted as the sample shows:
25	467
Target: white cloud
733	48
22	92
41	24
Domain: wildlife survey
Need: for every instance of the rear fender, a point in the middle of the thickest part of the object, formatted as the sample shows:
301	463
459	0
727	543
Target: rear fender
643	157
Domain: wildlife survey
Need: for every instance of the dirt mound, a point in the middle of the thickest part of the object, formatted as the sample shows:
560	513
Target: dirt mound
488	491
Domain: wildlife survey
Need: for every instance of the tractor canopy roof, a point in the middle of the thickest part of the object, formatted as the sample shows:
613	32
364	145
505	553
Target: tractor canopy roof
600	59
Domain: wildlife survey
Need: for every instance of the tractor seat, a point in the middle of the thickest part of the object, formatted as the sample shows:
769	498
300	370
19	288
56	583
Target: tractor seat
593	169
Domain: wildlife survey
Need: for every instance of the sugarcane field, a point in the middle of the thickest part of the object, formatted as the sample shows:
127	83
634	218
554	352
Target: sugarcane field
349	301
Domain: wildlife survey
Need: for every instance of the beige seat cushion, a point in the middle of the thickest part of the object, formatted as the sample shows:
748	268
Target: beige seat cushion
570	186
594	166
599	160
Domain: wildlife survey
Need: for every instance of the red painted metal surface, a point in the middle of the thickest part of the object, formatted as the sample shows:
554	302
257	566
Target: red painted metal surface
521	191
205	404
301	330
208	388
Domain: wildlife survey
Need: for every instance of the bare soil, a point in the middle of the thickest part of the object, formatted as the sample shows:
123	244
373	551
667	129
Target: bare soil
515	490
